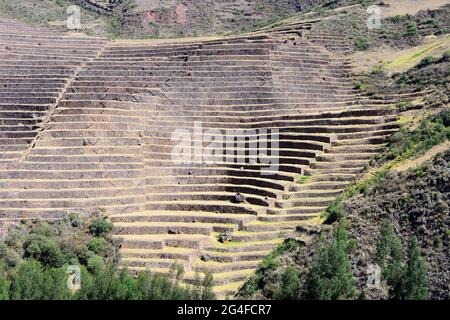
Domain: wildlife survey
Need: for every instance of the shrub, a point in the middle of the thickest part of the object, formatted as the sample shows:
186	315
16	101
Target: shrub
40	274
365	3
360	85
411	29
45	250
3	249
202	289
433	21
405	281
82	253
88	290
75	220
100	227
207	287
426	61
269	263
303	179
43	229
97	245
335	211
362	43
398	19
16	234
378	69
11	258
95	264
61	3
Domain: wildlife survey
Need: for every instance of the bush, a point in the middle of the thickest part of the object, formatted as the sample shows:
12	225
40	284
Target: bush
100	227
97	245
3	249
28	283
95	264
411	29
43	229
82	253
75	220
335	211
362	43
378	69
433	21
45	250
207	287
386	244
398	19
360	85
11	258
426	61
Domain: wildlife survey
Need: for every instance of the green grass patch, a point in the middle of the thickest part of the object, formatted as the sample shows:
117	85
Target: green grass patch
303	179
360	85
410	58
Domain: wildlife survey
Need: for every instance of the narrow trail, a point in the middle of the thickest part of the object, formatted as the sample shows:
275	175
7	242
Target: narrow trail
430	154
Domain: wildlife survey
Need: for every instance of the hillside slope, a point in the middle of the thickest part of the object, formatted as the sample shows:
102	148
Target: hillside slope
415	202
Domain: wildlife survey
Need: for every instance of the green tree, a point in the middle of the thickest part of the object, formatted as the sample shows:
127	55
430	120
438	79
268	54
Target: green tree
290	284
55	284
97	245
34	282
29	282
44	249
330	276
95	264
416	278
124	287
144	285
100	227
88	290
207	287
4	282
390	256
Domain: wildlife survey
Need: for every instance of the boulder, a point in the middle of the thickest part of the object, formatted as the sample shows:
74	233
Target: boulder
225	237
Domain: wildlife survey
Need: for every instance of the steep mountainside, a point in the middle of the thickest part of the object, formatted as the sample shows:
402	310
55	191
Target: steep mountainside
415	202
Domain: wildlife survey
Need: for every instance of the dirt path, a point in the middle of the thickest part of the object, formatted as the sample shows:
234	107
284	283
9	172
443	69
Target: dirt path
430	154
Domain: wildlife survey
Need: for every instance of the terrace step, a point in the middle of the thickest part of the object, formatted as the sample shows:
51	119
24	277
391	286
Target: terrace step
182	216
171	228
162	241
